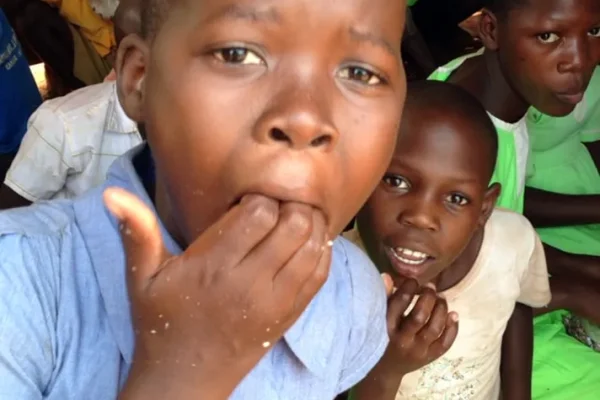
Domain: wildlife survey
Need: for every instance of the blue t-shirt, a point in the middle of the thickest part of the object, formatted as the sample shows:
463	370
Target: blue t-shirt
65	326
19	95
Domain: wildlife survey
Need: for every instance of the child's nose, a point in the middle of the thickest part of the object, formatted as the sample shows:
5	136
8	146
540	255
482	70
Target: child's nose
576	58
420	215
300	119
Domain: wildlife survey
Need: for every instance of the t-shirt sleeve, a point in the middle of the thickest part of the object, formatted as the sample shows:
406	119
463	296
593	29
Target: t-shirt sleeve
535	284
43	161
368	335
27	319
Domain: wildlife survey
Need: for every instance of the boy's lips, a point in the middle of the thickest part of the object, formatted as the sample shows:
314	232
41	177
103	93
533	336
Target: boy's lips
284	193
406	261
573	97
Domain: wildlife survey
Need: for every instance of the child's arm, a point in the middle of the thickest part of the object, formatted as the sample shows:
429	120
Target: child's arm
416	340
517	353
547	209
216	339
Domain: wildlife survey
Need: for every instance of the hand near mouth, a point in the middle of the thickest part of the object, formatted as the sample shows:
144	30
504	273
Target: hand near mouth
203	319
417	338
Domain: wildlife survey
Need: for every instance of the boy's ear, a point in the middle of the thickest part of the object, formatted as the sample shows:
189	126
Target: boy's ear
488	29
489	202
130	66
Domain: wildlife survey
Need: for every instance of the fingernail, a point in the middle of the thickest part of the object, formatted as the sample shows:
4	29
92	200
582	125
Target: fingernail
454	317
430	285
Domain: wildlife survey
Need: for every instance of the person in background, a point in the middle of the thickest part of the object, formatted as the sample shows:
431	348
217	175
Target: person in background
72	141
19	94
476	271
543	54
415	46
76	44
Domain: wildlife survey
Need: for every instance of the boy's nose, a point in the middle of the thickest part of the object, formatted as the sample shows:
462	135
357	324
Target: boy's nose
299	119
576	58
420	215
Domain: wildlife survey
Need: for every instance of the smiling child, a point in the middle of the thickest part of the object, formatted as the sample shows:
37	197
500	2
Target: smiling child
432	220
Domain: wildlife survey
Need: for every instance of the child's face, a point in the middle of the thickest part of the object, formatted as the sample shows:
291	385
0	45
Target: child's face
432	200
549	50
298	100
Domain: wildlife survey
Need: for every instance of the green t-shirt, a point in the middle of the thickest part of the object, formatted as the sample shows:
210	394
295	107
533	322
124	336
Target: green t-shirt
513	148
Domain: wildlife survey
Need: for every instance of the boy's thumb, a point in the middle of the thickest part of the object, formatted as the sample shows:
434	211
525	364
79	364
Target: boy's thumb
145	251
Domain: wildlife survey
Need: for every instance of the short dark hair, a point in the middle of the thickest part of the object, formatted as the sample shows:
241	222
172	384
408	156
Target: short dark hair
453	100
154	13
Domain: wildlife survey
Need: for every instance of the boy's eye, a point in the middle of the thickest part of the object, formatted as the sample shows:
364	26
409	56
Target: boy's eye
548	37
362	75
237	55
595	32
457	199
396	182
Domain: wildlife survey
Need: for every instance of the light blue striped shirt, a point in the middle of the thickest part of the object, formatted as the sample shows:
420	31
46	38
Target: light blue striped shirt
65	328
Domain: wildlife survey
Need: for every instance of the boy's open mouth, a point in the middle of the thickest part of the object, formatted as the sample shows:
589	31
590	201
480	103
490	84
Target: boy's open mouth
407	262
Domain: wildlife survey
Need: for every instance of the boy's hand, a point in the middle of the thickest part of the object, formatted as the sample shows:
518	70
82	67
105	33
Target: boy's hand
209	315
420	337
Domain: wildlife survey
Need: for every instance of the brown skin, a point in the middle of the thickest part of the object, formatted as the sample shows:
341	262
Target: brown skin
534	53
417	339
283	105
10	199
435	199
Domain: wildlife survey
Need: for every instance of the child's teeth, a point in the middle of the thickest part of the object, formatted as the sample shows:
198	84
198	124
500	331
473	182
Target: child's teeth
409	256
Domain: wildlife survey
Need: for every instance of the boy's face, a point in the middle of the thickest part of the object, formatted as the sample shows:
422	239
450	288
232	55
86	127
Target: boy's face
549	50
298	100
432	199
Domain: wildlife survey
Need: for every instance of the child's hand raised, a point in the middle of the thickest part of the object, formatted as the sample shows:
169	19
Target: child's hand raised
423	335
205	318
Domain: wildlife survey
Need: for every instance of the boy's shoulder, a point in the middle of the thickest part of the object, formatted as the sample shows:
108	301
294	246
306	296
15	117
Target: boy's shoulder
511	230
88	112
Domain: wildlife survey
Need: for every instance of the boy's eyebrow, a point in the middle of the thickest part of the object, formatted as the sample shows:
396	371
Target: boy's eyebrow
374	39
252	14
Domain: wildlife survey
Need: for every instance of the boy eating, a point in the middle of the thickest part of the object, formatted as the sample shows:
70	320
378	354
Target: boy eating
431	223
215	276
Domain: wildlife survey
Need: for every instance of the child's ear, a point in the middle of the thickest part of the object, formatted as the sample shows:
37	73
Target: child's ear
489	202
130	66
488	29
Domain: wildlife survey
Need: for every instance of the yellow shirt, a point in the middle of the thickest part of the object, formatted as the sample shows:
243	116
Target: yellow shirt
94	28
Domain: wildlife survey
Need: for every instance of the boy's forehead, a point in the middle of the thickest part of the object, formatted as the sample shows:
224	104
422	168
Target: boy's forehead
276	11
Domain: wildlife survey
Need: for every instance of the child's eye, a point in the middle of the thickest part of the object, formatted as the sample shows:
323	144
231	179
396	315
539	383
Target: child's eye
548	37
362	75
595	32
457	199
237	55
396	182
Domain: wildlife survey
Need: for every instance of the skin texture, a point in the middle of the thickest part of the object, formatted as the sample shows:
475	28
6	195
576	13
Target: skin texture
435	199
535	54
270	123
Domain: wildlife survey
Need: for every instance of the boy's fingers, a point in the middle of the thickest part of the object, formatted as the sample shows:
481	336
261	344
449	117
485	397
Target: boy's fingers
445	341
436	324
421	313
228	241
399	302
302	268
286	241
140	233
315	281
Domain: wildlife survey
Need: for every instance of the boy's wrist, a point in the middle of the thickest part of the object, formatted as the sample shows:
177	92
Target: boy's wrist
181	379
